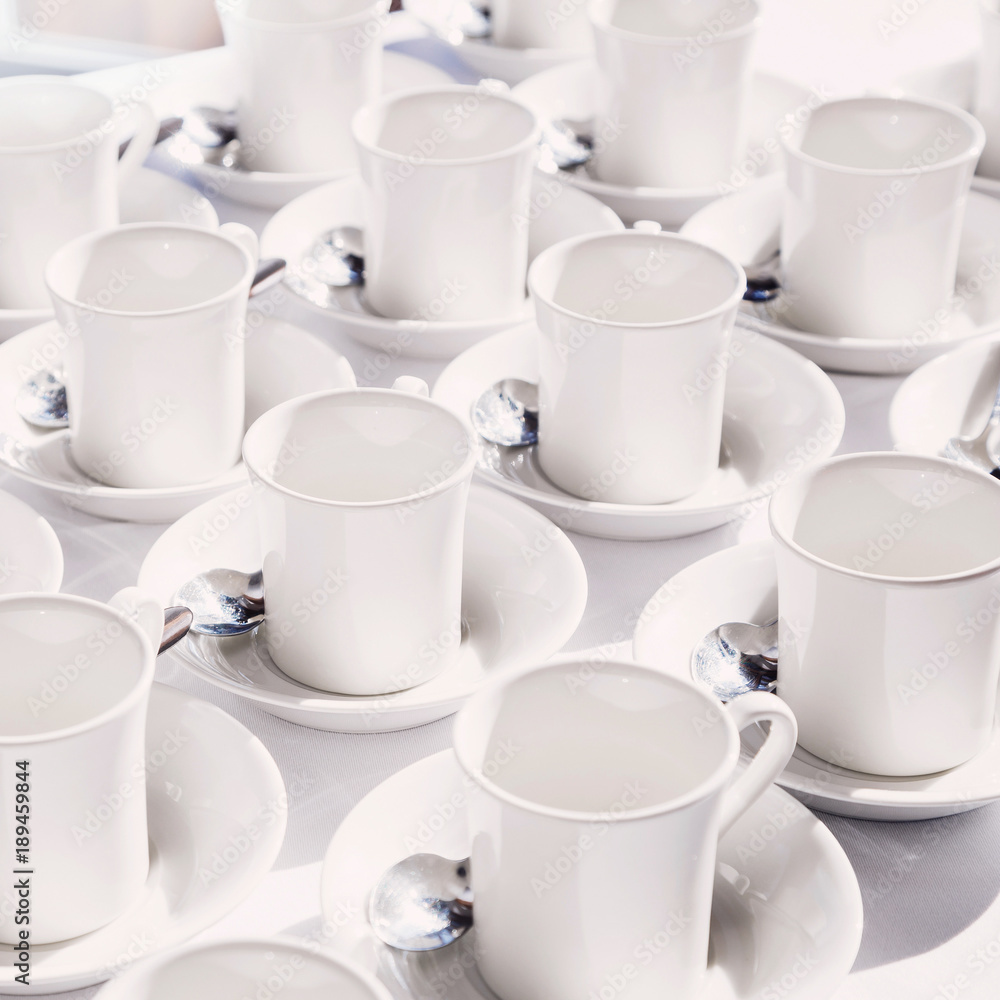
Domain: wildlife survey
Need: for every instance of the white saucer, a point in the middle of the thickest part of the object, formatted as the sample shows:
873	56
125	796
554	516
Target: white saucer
986	185
781	892
481	54
31	558
208	782
524	592
283	361
562	212
740	584
148	196
272	190
947	397
776	403
747	224
570	92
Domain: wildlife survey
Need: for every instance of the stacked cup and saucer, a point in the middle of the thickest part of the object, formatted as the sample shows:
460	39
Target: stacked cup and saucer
667	113
288	81
880	257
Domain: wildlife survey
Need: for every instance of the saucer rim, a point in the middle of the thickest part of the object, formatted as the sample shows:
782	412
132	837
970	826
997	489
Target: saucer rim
46	538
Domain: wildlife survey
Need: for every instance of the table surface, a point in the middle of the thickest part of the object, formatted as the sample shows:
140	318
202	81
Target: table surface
931	890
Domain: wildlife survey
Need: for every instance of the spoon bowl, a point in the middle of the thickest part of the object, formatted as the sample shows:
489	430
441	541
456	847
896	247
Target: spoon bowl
507	413
422	903
224	602
737	658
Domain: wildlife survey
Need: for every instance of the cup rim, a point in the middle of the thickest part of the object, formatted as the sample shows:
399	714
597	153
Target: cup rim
89	239
671	41
146	972
710	785
228	10
48	147
546	255
973	152
464	471
783	537
372	107
124	705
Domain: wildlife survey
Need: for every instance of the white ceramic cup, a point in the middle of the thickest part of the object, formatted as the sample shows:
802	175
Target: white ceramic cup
541	24
889	595
245	969
361	497
674	90
875	197
303	68
447	181
632	367
987	98
76	678
600	792
154	317
59	174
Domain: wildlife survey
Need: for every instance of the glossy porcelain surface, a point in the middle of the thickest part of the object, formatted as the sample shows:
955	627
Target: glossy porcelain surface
631	325
986	100
514	611
674	90
304	68
603	767
747	226
741	583
571	92
282	361
781	414
155	324
360	499
875	197
805	897
234	970
447	177
906	549
59	174
77	676
541	24
556	212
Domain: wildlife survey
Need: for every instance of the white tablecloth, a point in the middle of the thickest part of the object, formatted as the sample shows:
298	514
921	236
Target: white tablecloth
931	890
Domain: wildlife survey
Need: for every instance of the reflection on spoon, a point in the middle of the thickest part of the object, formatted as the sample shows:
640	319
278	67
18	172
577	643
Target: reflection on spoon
737	658
507	413
423	903
224	602
339	257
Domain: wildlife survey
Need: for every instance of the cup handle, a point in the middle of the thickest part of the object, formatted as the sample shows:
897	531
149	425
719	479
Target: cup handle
145	611
411	384
146	131
771	758
243	235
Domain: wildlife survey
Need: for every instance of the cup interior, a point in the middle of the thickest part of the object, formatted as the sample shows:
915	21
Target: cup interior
451	125
636	278
595	738
361	446
713	19
147	269
877	133
64	664
893	516
284	12
40	112
234	971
